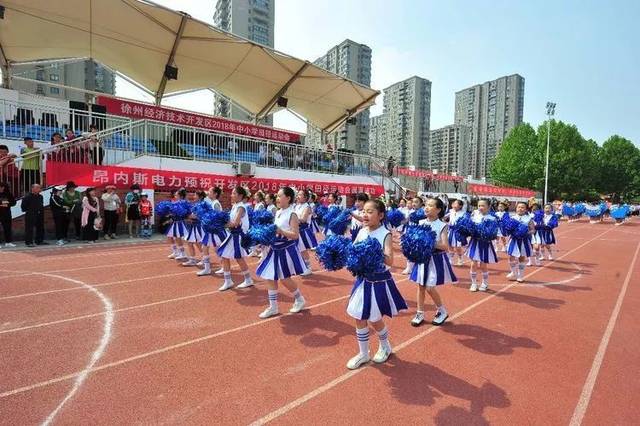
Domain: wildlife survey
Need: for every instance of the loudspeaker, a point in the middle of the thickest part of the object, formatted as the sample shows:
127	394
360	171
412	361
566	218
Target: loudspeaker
282	102
171	72
78	105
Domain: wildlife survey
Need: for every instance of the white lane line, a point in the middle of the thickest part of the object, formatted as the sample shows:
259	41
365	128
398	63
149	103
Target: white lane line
67	256
587	390
335	382
97	353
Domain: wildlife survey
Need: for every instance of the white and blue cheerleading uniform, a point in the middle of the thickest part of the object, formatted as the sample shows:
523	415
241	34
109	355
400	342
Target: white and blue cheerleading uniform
314	219
356	225
178	228
375	294
213	239
500	216
406	211
438	271
326	231
231	247
480	250
272	209
283	258
454	216
520	247
546	235
307	240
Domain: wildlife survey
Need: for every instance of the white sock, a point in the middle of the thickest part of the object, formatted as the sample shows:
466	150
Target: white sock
181	251
485	278
174	249
273	298
473	277
442	310
297	295
383	335
514	267
227	277
363	340
206	262
247	276
521	267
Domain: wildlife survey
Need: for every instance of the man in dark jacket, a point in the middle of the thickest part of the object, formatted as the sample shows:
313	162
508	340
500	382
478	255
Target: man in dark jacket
33	208
7	200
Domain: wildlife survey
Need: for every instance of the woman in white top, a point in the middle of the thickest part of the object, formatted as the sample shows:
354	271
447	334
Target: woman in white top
231	247
307	240
374	295
111	202
438	271
283	259
210	239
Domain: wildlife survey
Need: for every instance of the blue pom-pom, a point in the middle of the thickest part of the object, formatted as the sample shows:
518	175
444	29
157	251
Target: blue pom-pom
553	222
567	210
201	208
332	252
538	216
593	212
263	234
580	209
331	213
262	217
418	243
320	212
620	212
417	216
487	230
249	212
394	217
365	257
340	224
181	209
163	208
521	231
214	221
464	228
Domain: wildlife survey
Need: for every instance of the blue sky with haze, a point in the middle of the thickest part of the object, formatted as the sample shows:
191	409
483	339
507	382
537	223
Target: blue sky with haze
583	55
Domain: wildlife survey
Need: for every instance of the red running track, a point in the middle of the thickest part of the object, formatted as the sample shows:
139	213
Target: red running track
121	335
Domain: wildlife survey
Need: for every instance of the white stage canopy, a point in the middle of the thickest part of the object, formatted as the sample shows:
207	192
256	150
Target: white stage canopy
139	38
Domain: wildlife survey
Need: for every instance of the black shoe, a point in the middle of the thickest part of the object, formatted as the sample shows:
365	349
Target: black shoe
43	243
30	245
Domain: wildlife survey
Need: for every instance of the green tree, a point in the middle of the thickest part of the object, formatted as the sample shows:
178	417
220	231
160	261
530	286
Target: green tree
619	168
512	165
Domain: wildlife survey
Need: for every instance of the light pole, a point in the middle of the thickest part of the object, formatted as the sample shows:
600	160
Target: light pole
551	109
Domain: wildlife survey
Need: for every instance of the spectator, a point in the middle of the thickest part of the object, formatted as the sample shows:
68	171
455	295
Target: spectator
90	216
30	169
7	200
96	153
8	169
111	202
232	146
131	201
146	213
60	214
277	157
69	135
391	165
72	200
33	207
56	138
74	153
55	154
262	154
298	160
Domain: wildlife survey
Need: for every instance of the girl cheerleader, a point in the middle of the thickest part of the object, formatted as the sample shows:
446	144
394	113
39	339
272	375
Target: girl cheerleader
503	212
520	248
313	202
480	251
545	234
231	248
307	240
439	270
374	295
210	240
283	259
356	215
177	229
334	203
456	247
270	202
416	204
535	240
194	234
258	204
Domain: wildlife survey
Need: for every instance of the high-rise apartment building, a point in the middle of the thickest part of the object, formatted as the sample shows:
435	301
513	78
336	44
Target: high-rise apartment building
490	110
407	113
448	149
377	136
250	19
353	61
87	75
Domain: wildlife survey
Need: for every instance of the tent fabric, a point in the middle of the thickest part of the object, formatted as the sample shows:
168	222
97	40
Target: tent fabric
137	38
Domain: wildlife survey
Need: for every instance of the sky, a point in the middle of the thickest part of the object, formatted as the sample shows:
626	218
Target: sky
584	55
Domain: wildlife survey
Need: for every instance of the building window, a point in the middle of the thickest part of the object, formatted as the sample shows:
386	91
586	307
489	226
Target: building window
54	90
54	77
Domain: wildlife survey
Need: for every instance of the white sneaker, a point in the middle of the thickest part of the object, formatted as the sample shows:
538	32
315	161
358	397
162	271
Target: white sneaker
269	312
520	278
298	305
306	273
541	257
537	261
483	287
226	285
460	262
504	249
9	245
204	272
474	287
246	284
529	262
60	243
190	262
418	319
180	257
440	317
200	263
358	360
382	355
172	256
550	257
406	271
219	271
511	276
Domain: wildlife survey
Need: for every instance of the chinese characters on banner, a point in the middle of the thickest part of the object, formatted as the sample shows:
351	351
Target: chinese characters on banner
479	189
139	110
124	177
428	174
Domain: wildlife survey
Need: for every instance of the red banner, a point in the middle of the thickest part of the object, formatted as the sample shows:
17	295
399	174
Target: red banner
141	110
124	177
480	189
428	174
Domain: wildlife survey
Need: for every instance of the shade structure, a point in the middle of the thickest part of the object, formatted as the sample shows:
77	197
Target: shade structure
139	39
